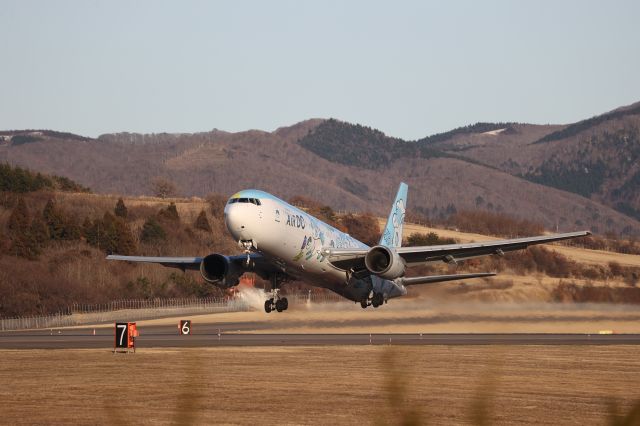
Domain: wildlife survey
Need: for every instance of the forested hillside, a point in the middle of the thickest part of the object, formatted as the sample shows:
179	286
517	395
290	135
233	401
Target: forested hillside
603	164
17	179
53	246
597	158
580	176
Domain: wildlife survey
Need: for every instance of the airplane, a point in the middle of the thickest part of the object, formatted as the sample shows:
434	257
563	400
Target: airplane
282	243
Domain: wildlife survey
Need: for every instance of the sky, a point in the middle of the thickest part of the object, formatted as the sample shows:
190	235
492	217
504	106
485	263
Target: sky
408	68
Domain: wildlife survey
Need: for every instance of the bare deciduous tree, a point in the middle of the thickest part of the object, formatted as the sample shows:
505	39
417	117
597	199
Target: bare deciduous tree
163	188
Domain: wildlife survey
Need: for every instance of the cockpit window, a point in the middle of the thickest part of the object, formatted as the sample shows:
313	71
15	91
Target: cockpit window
245	200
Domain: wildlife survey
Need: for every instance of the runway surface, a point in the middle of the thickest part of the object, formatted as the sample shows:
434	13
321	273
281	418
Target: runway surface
209	335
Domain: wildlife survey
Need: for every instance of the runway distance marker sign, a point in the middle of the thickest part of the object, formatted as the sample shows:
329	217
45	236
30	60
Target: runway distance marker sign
125	336
185	327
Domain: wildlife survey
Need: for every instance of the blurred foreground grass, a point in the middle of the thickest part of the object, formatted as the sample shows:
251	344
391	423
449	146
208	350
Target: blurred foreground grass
411	385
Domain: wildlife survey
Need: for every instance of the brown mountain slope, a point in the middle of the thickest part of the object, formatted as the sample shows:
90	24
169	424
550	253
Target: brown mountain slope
505	149
598	158
226	162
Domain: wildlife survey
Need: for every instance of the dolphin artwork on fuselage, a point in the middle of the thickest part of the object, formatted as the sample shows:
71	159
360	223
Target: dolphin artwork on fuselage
283	243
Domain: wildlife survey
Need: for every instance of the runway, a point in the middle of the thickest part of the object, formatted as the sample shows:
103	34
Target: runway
209	335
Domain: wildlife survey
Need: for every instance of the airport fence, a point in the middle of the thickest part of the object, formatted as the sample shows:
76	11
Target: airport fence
144	309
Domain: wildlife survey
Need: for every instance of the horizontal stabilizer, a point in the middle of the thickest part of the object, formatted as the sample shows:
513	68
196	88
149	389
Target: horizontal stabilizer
441	278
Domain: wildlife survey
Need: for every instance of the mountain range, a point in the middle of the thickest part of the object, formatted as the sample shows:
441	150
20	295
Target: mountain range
584	175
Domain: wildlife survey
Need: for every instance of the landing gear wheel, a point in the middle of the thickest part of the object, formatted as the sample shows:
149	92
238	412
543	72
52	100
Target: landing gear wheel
377	300
364	304
276	303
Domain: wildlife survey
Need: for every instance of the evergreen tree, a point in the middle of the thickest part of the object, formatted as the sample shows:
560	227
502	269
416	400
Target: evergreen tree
19	180
23	243
91	231
72	229
108	233
111	234
41	181
363	227
430	239
202	222
152	231
19	220
59	225
126	243
4	243
39	232
169	214
328	213
54	221
87	228
121	209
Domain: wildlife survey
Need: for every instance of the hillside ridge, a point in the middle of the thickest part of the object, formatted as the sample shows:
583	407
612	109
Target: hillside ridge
488	166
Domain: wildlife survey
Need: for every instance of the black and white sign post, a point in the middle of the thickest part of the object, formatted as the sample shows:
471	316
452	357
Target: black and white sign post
122	335
125	337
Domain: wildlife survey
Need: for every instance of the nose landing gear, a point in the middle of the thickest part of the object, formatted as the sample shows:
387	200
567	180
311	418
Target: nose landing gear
247	245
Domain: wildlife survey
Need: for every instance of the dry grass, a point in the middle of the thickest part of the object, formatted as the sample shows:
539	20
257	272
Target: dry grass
425	316
188	208
328	385
580	255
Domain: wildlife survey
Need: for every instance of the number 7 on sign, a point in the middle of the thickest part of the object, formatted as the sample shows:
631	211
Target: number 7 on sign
123	327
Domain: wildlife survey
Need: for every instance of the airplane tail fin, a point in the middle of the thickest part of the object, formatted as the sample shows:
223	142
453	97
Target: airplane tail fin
392	234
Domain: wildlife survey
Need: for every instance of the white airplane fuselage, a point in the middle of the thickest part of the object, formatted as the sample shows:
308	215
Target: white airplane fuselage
295	239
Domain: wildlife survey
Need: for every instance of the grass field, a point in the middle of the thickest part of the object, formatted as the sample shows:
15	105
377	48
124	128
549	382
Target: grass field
418	317
321	385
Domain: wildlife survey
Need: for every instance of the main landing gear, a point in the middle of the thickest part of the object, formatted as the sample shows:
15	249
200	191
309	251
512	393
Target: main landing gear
276	303
375	300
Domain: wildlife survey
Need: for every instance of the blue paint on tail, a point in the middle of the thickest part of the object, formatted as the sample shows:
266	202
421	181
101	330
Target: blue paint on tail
392	234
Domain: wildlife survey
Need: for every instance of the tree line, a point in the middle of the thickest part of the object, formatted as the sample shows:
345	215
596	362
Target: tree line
16	179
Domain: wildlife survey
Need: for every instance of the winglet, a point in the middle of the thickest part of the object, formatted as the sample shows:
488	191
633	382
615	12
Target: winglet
392	234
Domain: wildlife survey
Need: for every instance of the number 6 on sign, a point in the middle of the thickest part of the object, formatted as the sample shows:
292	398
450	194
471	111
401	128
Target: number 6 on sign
185	326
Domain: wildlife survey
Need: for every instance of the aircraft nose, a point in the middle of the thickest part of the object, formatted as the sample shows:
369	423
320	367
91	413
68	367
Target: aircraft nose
237	221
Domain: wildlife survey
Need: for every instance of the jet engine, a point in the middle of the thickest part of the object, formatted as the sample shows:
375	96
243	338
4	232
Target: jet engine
219	270
384	262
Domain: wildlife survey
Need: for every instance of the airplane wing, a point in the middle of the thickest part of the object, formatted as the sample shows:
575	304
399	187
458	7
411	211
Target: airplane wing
450	253
171	262
258	263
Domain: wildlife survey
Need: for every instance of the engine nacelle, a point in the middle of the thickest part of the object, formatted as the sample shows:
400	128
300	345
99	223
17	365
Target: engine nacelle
218	270
384	262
